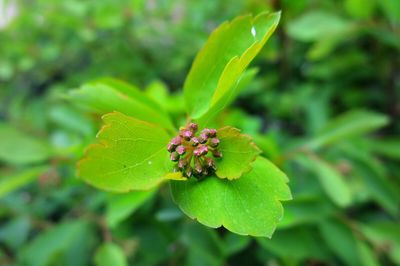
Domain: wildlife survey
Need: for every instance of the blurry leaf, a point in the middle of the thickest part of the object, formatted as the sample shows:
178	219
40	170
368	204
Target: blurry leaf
110	254
238	152
302	211
223	59
71	119
366	254
120	206
241	84
66	244
388	147
204	246
240	119
169	214
374	176
22	178
331	180
15	232
341	241
317	25
295	245
130	155
360	8
249	205
392	10
348	125
158	92
235	243
17	147
384	235
108	95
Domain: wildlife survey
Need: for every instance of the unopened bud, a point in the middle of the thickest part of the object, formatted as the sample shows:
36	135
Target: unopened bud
187	134
194	141
203	138
180	150
176	141
210	163
201	150
198	167
206	131
193	127
174	156
182	163
171	147
216	154
212	133
188	172
214	142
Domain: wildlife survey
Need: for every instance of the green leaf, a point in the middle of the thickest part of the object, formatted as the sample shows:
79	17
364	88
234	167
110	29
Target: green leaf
22	178
120	206
110	254
341	240
316	25
330	179
384	235
249	205
221	62
238	152
388	147
244	80
295	244
20	148
68	243
108	95
130	155
348	125
15	232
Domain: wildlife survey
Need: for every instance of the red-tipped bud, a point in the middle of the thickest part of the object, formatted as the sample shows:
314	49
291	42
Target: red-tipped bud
193	127
182	163
187	134
174	156
210	163
188	172
216	154
213	133
206	131
180	150
198	168
201	150
176	141
194	141
214	142
171	147
203	138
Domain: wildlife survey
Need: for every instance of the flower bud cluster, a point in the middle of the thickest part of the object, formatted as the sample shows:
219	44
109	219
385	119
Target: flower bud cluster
194	151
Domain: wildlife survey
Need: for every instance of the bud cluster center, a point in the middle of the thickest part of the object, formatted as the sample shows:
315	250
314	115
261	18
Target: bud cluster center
195	151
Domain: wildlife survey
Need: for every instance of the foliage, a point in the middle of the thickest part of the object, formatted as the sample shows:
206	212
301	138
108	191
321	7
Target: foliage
321	104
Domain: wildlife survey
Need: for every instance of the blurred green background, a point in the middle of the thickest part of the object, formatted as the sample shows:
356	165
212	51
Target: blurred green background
324	106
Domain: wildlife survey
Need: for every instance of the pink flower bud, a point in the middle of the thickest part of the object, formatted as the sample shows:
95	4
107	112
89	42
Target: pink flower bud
193	127
180	150
214	142
194	141
176	141
174	156
213	133
187	134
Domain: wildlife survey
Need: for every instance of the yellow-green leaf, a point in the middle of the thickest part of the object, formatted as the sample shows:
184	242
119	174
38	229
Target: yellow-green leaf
223	59
238	152
250	205
130	155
